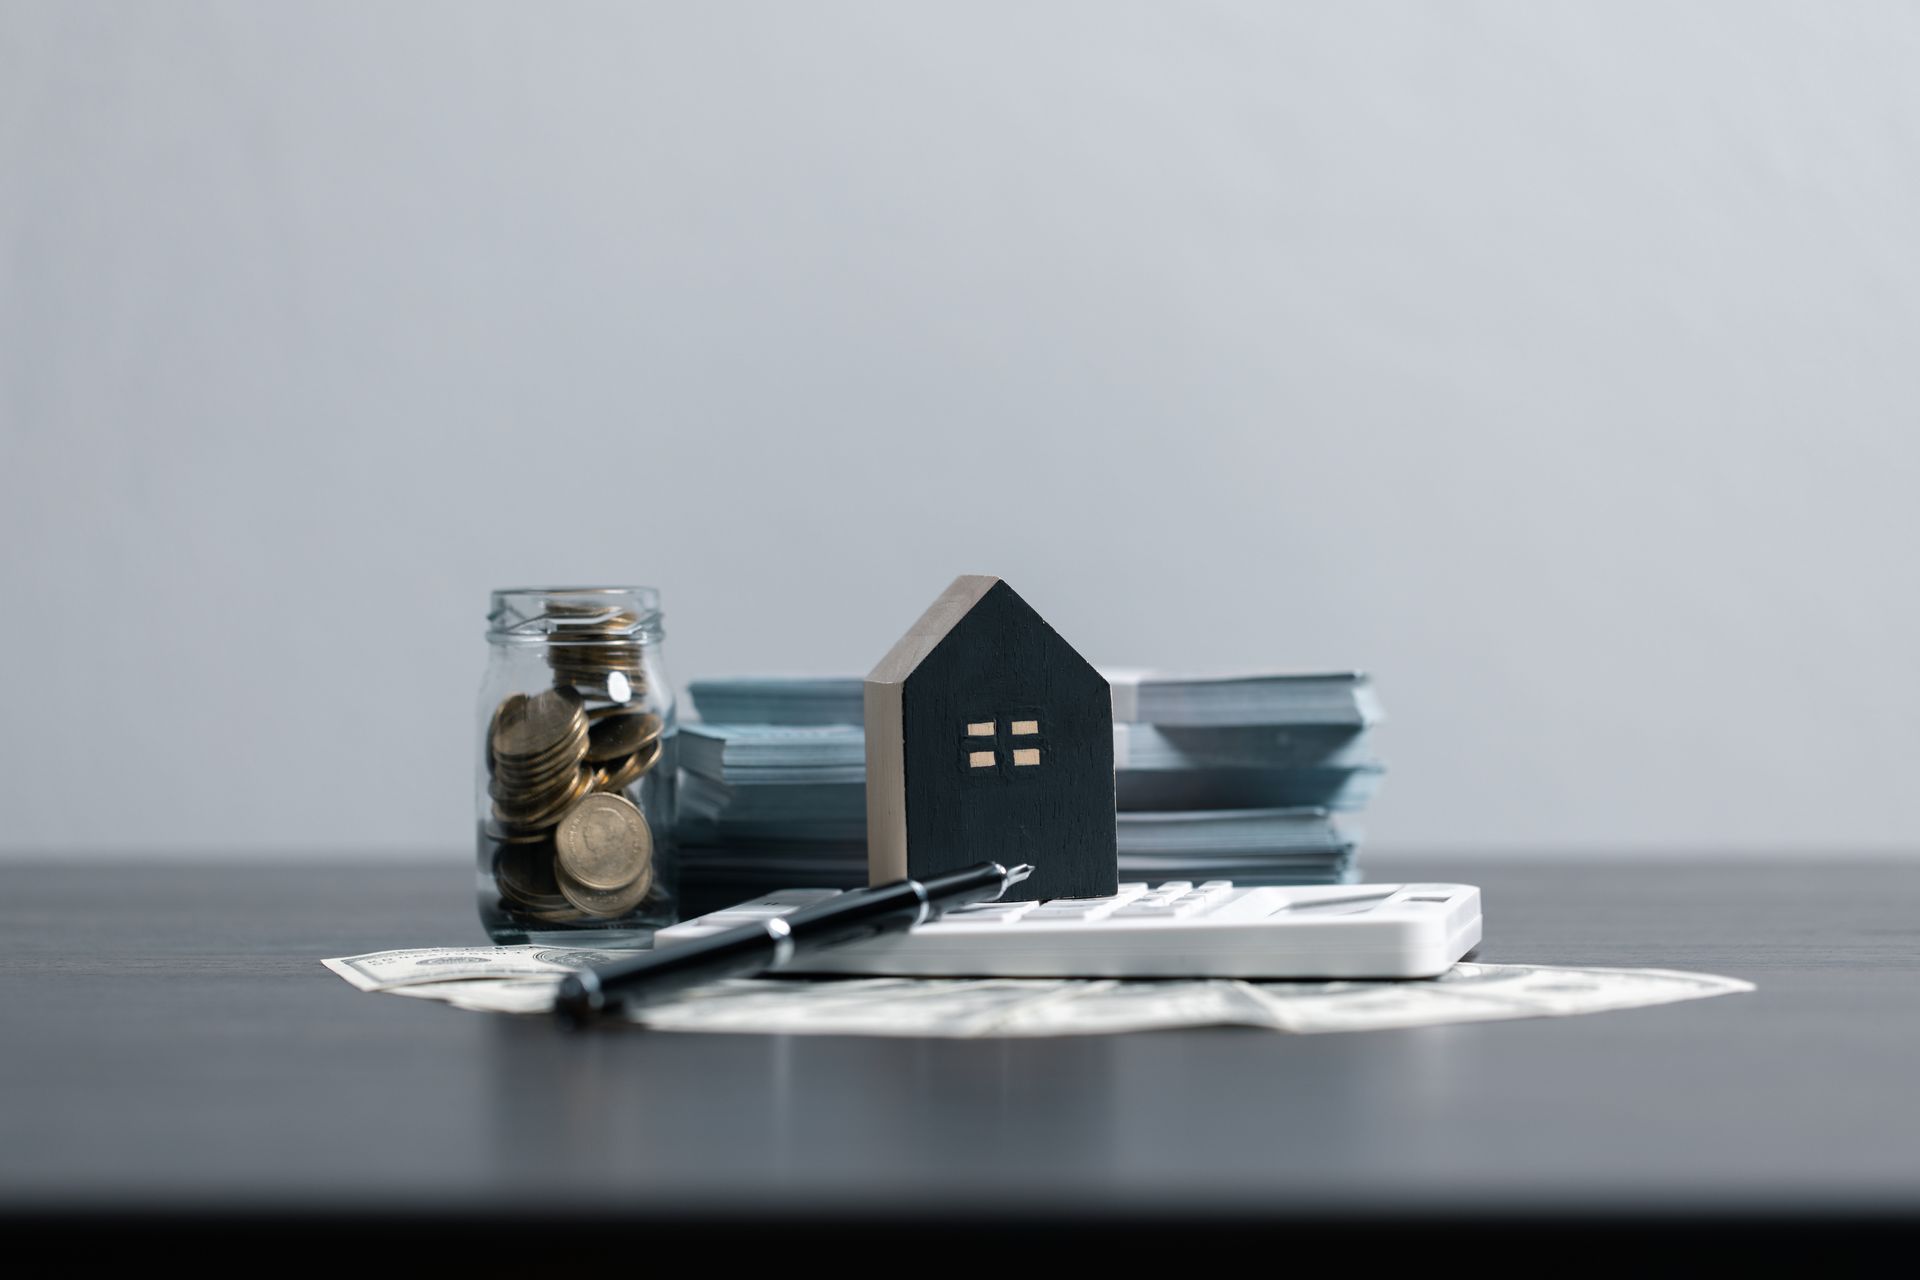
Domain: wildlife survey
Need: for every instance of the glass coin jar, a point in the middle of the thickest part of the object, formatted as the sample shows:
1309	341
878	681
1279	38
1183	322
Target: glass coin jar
574	795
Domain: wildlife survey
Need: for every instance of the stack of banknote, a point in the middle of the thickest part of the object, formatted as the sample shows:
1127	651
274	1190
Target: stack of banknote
1248	778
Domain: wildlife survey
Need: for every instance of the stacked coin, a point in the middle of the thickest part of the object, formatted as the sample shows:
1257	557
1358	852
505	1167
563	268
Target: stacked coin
596	650
603	855
538	746
567	844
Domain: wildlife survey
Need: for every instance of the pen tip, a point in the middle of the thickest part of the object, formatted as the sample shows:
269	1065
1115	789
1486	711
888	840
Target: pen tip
1016	874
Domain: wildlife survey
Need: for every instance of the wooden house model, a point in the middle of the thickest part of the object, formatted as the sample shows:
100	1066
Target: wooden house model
989	737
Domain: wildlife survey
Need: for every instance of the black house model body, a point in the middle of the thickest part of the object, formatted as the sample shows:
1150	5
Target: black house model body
989	737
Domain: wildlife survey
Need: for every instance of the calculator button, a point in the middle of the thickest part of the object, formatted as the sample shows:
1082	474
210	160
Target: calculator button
1177	907
1087	909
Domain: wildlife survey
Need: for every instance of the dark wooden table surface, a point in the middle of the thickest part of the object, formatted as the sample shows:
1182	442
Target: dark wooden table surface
172	1045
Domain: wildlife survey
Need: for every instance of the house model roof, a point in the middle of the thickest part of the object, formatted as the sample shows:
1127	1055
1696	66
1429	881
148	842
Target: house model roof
941	617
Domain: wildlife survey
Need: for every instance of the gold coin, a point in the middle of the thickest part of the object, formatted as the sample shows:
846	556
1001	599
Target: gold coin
598	653
605	903
604	844
577	642
520	800
516	794
632	769
525	773
542	772
590	637
616	736
501	833
546	907
550	811
595	675
594	645
511	782
566	744
615	687
533	728
510	832
522	776
596	617
493	726
620	775
554	910
525	871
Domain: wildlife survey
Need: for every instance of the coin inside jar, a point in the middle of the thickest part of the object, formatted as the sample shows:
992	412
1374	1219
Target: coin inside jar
531	729
605	903
526	872
511	780
545	810
621	774
505	834
603	843
578	616
611	737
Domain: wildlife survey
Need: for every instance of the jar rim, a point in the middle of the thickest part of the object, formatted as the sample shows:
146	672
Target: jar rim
522	615
650	592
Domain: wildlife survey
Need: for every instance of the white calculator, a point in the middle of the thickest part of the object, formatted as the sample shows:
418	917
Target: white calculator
1177	930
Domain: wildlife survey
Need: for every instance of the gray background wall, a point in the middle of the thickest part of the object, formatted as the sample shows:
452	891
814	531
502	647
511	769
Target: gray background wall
1556	362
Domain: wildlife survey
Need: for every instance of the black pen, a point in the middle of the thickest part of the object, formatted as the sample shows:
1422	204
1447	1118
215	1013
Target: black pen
768	944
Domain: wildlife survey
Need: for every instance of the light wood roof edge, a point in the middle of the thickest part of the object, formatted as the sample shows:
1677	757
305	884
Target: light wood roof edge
925	635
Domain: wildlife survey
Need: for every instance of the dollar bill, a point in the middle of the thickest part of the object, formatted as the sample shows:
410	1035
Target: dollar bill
1479	993
488	995
1041	1007
386	970
523	980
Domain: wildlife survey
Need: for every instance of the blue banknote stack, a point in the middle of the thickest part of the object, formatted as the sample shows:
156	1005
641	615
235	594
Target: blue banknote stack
1251	778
